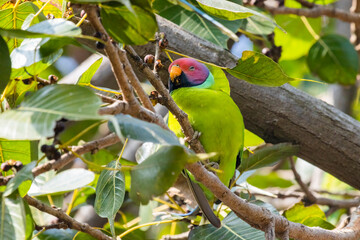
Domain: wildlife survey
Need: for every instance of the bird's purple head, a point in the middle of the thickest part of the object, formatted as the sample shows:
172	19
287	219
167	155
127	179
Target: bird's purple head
187	72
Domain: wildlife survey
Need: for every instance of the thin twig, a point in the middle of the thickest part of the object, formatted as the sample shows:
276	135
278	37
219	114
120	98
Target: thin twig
66	158
60	225
144	98
112	54
316	11
70	222
310	197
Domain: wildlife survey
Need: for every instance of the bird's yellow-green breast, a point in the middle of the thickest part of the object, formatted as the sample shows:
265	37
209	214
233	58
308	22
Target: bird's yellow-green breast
215	115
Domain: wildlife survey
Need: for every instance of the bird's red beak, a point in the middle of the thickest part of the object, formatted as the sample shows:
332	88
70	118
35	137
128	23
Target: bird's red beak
175	73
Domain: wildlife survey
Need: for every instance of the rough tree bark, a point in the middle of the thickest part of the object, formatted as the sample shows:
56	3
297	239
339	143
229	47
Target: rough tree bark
328	138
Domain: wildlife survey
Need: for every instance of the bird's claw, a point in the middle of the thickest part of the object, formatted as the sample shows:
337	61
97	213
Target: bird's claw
194	137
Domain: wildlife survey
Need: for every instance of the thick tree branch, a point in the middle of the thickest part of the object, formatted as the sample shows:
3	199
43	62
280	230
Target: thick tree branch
69	221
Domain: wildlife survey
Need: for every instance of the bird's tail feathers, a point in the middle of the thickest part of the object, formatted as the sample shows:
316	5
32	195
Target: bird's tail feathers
202	201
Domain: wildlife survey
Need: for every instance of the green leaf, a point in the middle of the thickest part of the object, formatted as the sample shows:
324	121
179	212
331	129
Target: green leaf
132	28
27	61
194	23
37	54
5	63
296	35
86	77
258	69
232	227
36	116
24	174
311	216
17	89
24	151
13	18
110	191
64	181
334	59
158	172
270	180
144	131
256	25
230	11
13	219
268	155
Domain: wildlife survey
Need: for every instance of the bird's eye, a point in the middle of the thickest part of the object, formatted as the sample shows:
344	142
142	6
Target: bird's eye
191	68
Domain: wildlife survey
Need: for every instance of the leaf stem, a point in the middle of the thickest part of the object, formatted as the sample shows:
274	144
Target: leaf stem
81	20
41	9
309	28
75	193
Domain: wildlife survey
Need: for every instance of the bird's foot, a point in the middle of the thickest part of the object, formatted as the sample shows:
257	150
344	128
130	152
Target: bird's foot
194	137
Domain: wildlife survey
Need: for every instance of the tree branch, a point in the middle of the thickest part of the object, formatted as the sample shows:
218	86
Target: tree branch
69	221
316	11
66	158
312	199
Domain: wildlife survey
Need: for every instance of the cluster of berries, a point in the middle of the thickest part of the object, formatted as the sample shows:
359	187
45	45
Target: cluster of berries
50	150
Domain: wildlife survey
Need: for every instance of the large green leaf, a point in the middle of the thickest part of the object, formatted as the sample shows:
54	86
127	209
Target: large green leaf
232	227
144	131
64	181
230	10
133	27
13	18
194	23
13	219
110	191
158	172
268	155
297	40
35	55
334	59
24	151
258	69
311	216
23	175
36	116
5	63
27	61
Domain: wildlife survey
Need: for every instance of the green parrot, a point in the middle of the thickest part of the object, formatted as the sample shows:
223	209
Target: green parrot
211	112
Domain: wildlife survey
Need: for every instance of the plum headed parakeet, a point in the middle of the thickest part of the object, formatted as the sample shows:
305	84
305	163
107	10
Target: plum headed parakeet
211	112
